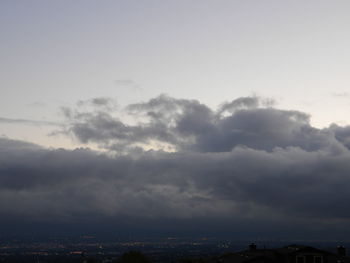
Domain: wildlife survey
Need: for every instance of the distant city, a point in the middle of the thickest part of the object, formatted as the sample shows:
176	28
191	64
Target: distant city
90	248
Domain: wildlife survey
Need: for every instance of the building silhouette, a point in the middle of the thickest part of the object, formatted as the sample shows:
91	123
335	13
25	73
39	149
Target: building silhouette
288	254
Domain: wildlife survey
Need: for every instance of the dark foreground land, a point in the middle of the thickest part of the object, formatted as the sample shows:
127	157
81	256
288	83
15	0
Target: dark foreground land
89	249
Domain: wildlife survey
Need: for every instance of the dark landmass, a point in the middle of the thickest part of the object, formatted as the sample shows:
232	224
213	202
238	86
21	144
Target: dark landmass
89	249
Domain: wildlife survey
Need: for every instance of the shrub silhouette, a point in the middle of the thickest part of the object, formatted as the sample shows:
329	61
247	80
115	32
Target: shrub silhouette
133	257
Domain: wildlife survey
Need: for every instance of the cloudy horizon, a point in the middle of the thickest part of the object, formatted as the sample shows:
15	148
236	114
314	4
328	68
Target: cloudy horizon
211	117
246	164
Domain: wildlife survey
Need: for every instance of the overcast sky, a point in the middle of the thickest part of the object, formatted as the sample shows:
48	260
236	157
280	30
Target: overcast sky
188	111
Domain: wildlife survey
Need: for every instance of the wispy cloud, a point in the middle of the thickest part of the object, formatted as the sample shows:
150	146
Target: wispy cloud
28	122
128	83
341	94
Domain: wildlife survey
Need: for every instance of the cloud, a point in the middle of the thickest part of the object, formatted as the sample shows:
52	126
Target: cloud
245	103
340	94
261	165
27	122
98	103
128	83
288	185
188	125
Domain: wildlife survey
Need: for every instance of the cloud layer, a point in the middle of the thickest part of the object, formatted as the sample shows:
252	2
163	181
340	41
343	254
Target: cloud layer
245	161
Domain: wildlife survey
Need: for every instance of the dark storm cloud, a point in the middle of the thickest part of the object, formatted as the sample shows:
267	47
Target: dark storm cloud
342	134
256	163
62	185
188	125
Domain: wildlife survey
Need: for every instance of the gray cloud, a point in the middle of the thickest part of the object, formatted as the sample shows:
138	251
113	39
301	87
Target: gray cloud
128	83
258	164
342	134
27	122
188	125
288	185
98	103
245	103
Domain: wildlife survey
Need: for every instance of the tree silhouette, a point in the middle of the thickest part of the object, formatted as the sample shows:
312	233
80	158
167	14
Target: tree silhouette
133	257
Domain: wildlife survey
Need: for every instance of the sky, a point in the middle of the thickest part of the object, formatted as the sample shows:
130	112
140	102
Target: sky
201	114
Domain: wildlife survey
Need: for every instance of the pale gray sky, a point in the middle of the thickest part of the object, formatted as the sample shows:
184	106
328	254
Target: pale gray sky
55	53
